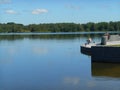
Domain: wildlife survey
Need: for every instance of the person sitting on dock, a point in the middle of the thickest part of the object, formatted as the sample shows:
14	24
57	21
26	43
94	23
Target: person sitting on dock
108	35
89	40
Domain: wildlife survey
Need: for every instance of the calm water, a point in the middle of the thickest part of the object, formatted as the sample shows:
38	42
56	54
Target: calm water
52	62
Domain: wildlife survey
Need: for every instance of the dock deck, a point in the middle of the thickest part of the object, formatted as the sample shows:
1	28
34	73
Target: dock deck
113	43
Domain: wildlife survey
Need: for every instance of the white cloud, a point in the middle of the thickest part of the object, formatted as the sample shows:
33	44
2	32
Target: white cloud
39	11
10	12
70	6
5	1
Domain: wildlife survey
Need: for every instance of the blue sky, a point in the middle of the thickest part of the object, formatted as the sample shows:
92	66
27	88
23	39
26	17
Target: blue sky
58	11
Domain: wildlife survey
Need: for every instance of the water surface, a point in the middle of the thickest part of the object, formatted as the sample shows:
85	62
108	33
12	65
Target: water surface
52	62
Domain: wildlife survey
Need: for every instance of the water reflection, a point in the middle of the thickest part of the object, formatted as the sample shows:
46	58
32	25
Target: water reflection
47	62
50	36
38	50
105	70
72	80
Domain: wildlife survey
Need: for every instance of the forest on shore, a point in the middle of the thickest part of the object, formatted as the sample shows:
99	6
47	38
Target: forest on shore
12	27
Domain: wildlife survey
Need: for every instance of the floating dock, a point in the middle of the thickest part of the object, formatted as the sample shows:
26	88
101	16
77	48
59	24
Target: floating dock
105	54
104	51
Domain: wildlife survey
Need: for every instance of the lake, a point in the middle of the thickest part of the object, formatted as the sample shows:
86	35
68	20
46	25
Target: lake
53	62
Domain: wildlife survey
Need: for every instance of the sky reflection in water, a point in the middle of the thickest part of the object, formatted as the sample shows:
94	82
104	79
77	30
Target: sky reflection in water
52	63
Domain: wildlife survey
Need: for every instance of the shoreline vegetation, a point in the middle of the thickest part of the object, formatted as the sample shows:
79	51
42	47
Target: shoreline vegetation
12	27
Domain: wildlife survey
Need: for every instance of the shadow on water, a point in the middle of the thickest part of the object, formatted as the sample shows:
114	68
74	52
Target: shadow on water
105	70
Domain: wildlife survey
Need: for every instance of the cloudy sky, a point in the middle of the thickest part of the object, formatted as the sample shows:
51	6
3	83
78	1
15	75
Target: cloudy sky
54	11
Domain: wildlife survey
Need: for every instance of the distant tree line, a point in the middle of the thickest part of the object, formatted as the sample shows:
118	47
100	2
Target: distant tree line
59	27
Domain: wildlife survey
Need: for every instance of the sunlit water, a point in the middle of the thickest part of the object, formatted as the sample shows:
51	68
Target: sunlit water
52	62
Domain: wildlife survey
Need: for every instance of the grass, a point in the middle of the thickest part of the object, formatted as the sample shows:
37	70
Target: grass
118	45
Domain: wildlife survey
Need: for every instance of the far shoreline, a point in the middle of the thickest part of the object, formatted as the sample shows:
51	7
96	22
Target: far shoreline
57	33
